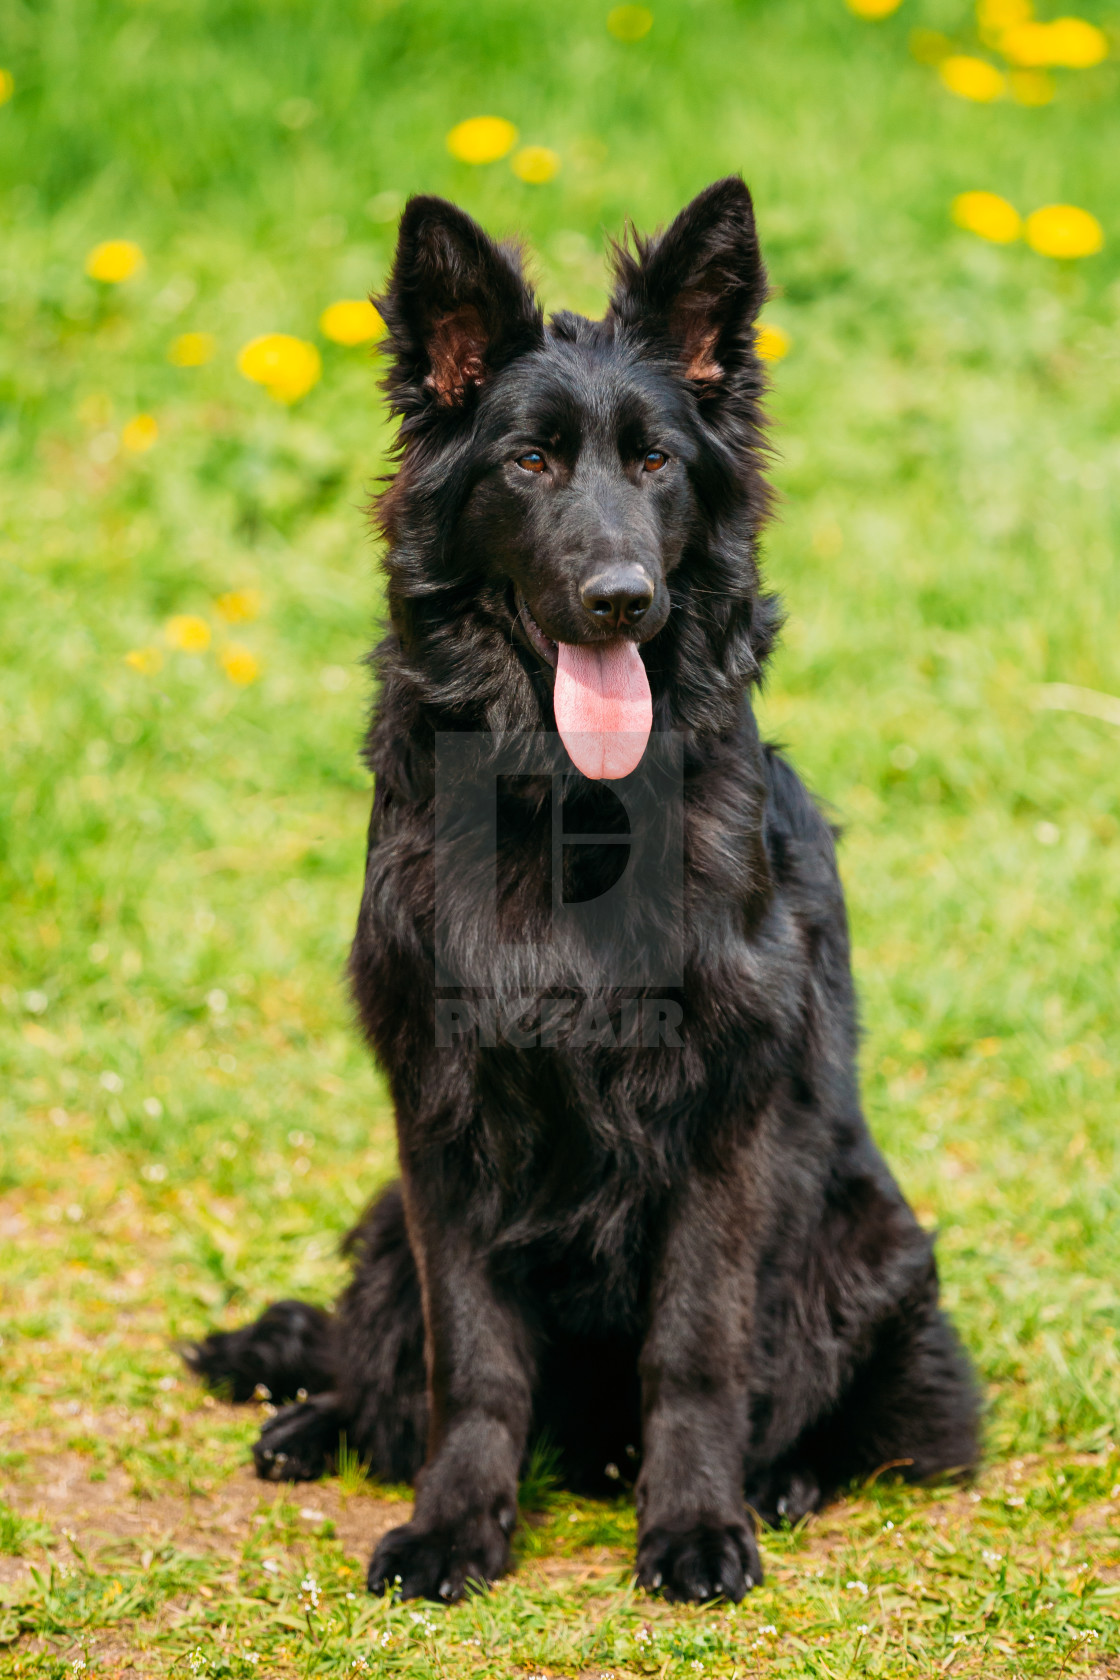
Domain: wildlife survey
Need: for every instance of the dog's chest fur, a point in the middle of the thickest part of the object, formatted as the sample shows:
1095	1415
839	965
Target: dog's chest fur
568	1153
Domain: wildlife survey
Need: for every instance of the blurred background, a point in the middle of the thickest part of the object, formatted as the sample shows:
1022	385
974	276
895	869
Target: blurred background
190	436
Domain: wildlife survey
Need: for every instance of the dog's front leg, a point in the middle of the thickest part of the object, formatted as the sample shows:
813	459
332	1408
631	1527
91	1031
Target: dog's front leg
695	1537
480	1400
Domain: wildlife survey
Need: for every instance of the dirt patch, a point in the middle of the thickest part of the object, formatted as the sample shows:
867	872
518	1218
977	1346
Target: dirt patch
93	1514
574	1571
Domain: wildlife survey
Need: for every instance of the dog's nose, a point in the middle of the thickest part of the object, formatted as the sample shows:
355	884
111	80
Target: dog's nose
618	596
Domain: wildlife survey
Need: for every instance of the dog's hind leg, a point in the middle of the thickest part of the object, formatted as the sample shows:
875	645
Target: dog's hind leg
377	1403
285	1350
361	1367
286	1354
912	1410
914	1407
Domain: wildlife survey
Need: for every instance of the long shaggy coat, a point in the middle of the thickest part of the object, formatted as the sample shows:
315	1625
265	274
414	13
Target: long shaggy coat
639	1208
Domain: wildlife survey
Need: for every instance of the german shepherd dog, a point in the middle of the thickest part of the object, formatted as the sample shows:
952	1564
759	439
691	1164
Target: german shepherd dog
658	1233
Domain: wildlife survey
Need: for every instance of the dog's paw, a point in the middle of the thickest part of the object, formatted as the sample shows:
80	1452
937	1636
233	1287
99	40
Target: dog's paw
800	1496
440	1562
286	1349
300	1443
692	1565
786	1496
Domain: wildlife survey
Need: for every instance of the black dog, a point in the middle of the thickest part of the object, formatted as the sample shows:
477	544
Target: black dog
651	1223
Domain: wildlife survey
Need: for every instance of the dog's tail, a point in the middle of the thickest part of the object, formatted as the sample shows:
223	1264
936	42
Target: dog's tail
285	1355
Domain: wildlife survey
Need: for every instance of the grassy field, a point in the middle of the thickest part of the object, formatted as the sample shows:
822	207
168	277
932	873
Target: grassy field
188	1119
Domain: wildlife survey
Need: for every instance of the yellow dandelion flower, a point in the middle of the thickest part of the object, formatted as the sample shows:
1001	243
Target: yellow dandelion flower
240	665
1068	43
187	632
351	321
971	78
7	86
988	215
993	15
139	434
1030	87
1026	44
1077	45
238	606
481	139
287	367
1062	230
114	260
630	23
771	342
535	164
145	660
192	349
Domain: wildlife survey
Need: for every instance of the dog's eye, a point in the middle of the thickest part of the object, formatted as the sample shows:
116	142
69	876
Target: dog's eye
532	462
655	460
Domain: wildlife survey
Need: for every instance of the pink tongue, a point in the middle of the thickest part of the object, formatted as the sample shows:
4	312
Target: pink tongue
603	707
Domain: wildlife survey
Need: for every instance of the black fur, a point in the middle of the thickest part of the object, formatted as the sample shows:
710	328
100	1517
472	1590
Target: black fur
288	1348
689	1264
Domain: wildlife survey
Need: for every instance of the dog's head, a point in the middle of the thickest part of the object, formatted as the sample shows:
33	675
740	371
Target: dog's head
580	483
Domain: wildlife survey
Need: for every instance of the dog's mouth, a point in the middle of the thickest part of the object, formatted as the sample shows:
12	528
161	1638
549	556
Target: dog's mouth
601	699
542	644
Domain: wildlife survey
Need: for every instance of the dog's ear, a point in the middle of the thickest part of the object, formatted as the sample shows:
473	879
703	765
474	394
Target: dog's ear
457	308
694	291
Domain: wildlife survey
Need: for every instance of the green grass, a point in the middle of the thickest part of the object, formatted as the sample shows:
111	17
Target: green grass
188	1119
